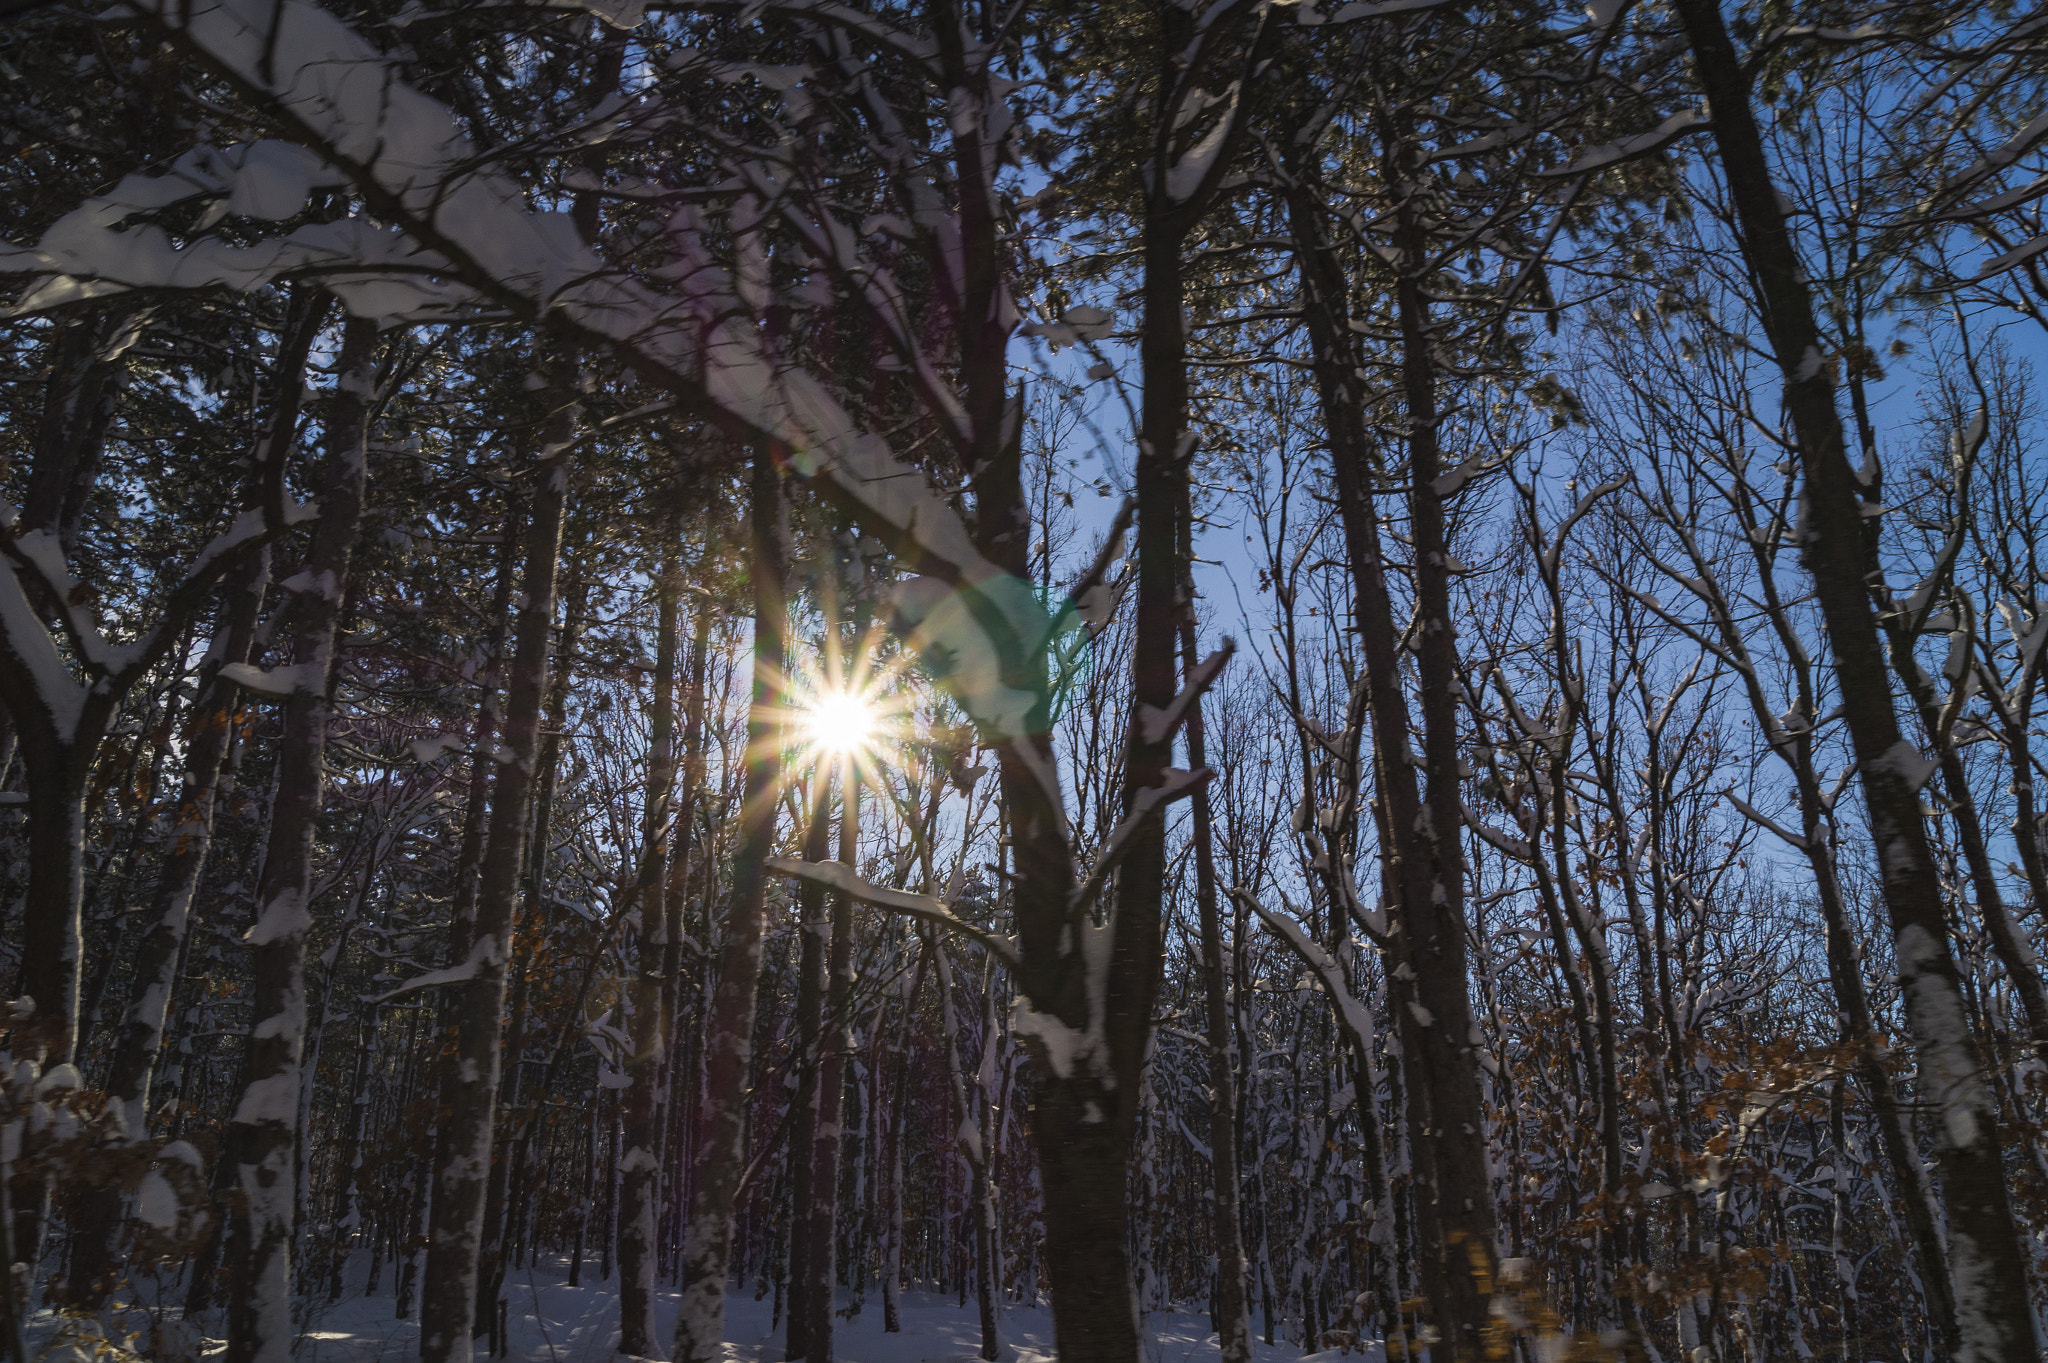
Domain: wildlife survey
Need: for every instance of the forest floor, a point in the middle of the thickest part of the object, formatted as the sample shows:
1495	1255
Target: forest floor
550	1322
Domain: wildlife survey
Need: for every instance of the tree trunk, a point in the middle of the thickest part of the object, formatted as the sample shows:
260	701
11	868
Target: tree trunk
815	926
1453	1196
834	1042
139	1043
462	1161
899	1117
1233	1312
264	1135
729	1051
1994	1319
640	1172
349	1161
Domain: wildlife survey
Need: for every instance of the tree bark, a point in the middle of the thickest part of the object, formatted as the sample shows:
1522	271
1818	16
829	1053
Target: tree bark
639	1169
139	1043
829	1093
729	1052
1233	1312
1427	986
1994	1319
814	926
462	1161
263	1203
349	1162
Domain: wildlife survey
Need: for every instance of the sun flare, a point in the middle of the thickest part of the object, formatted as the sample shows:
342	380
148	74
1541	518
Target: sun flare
840	721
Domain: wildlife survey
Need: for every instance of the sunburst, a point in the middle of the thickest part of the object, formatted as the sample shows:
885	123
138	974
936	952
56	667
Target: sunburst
838	721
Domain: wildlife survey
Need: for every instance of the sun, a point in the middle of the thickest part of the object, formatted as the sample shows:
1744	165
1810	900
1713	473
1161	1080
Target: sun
839	722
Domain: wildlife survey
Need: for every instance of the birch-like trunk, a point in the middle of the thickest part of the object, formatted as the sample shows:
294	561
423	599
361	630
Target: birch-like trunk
263	1202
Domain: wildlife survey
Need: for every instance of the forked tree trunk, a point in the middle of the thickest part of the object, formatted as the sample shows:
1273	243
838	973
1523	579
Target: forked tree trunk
95	1264
58	742
462	1159
264	1131
1988	1269
1453	1196
729	1050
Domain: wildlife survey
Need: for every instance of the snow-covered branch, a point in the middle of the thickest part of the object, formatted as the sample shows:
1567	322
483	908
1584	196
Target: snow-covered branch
842	879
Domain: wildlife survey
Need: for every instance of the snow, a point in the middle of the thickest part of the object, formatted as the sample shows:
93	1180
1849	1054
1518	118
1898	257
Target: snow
1061	1044
1678	125
277	681
1187	173
156	1202
23	634
432	749
274	1098
1156	725
842	879
57	1079
454	974
551	1322
1905	761
284	916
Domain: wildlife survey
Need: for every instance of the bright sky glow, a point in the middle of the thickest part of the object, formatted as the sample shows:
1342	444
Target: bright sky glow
840	721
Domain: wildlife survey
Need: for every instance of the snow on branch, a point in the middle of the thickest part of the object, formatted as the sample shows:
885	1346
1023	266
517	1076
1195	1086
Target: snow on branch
36	557
1329	976
1763	820
1505	843
1308	16
1092	596
1156	725
1681	124
52	690
450	227
2018	255
839	877
2004	155
278	682
1178	785
454	974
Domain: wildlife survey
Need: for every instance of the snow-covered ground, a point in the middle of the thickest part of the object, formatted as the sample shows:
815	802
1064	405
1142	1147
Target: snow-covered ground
551	1322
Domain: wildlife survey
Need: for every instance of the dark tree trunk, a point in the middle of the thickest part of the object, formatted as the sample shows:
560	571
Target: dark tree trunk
1453	1196
462	1161
640	1173
138	1044
728	1057
1232	1311
349	1161
829	1093
815	927
1986	1264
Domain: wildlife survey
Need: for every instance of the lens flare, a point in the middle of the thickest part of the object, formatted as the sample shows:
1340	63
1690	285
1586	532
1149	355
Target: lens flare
840	722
